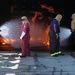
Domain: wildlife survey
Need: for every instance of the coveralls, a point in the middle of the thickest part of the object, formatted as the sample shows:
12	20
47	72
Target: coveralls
73	31
25	41
54	38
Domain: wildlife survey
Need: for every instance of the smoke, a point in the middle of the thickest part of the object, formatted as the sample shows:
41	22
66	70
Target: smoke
37	35
11	32
64	35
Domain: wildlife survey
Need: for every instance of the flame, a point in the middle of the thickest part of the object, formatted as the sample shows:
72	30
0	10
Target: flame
12	40
45	39
46	42
42	40
4	41
49	8
39	15
36	14
32	39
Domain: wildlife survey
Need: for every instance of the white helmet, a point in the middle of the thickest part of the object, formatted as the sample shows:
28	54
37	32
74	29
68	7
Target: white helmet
23	18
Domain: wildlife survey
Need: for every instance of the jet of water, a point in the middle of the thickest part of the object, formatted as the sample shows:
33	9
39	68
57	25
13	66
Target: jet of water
64	36
11	32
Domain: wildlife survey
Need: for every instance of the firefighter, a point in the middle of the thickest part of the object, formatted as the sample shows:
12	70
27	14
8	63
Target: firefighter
25	37
73	29
54	36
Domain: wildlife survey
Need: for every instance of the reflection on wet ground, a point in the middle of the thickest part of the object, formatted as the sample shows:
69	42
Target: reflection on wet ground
39	63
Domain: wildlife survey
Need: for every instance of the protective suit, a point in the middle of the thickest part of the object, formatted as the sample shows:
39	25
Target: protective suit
73	30
73	23
25	37
54	36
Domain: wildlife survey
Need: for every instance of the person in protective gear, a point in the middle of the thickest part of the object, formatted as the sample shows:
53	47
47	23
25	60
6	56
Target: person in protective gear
54	36
73	29
73	23
25	37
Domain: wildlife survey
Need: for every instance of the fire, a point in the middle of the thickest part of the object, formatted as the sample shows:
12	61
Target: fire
32	39
6	41
46	42
49	8
43	39
40	37
36	14
12	40
3	41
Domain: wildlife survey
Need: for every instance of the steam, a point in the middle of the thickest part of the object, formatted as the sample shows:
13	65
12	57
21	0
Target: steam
11	31
64	35
37	35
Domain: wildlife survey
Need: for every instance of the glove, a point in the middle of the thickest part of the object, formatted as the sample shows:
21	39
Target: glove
22	35
57	36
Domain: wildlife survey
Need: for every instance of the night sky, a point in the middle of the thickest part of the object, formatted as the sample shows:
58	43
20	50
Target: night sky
64	7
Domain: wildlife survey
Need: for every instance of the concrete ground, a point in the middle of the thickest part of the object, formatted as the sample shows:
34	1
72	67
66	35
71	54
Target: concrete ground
39	63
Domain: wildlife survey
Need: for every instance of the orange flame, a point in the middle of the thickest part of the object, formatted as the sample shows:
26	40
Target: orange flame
49	8
45	39
4	41
46	42
35	16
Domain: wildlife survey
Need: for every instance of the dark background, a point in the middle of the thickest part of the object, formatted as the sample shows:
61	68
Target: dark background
64	7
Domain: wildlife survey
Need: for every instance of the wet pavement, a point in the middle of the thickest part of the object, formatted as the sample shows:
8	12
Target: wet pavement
39	63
